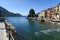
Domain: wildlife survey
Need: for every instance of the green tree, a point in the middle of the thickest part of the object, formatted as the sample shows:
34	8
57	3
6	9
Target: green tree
36	15
31	13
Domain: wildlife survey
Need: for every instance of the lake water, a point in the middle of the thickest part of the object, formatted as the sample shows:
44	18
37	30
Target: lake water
33	30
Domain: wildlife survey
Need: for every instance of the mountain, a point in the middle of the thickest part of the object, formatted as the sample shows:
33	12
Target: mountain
6	13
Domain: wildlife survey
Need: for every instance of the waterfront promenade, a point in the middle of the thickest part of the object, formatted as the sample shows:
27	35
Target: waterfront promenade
3	34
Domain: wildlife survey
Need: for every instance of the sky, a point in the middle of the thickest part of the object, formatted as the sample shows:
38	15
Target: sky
23	6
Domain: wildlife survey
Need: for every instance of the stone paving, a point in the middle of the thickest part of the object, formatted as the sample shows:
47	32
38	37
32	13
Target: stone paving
3	34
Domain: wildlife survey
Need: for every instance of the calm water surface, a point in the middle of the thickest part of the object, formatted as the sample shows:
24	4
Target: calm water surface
33	30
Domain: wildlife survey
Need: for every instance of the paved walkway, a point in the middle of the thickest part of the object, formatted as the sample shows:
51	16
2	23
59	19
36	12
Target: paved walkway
3	34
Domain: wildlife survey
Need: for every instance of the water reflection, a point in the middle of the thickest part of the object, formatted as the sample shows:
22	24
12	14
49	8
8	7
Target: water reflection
34	30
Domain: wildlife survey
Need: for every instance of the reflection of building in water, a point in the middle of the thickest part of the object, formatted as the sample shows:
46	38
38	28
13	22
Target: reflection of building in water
51	13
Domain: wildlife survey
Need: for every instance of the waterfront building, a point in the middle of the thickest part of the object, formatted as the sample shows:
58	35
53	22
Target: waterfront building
41	14
51	13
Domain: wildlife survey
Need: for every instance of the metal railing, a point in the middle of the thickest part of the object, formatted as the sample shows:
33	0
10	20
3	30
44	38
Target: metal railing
11	36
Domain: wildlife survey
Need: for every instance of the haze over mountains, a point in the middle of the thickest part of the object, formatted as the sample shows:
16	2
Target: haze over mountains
6	13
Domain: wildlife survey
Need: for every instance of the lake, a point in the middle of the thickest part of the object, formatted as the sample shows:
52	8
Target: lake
33	30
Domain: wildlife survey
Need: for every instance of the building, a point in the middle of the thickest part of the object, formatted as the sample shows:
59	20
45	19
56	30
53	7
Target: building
51	13
41	14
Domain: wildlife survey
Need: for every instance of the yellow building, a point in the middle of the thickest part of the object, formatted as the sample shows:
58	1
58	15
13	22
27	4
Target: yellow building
53	12
41	14
57	11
